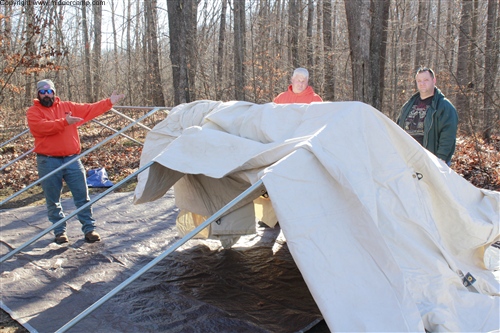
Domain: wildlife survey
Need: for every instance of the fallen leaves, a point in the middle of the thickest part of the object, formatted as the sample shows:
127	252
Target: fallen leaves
478	161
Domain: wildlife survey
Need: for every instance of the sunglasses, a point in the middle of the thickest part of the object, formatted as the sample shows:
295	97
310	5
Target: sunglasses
46	91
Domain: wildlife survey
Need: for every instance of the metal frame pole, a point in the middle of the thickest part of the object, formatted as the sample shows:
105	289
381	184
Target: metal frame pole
174	247
128	118
75	212
17	159
115	130
15	137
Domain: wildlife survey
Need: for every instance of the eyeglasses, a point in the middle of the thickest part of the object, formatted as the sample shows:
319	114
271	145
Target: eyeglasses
46	91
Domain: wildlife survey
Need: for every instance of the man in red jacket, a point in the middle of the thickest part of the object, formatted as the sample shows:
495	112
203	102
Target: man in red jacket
299	91
54	125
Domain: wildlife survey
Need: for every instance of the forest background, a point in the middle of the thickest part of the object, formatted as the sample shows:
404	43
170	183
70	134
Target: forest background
163	53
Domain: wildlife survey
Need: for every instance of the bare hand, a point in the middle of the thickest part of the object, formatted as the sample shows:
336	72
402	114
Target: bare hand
115	97
72	120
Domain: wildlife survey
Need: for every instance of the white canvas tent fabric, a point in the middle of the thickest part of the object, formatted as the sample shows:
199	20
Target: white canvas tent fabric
380	228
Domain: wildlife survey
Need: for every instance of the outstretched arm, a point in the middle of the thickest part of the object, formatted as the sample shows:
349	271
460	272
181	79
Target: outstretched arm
89	111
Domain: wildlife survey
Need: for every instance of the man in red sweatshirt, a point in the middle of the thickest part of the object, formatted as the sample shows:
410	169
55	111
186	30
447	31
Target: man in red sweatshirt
54	125
299	91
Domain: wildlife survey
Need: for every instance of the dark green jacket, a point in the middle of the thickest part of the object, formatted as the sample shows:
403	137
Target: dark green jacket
440	125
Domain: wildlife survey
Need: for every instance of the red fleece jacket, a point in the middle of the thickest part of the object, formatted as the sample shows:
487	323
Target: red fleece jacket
53	135
307	96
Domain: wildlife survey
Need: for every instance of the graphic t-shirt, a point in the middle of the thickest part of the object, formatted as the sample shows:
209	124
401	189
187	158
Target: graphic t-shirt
414	123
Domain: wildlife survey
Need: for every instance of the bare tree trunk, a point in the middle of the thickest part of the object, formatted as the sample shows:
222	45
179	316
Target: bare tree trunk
491	64
329	91
276	52
428	54
421	58
395	85
318	48
153	54
463	60
177	53
59	39
378	47
471	69
309	41
97	9
192	45
239	49
6	45
129	52
115	43
293	32
63	76
280	45
179	22
406	68
30	50
142	46
87	75
438	35
450	36
358	23
7	28
281	39
147	77
473	63
220	51
261	68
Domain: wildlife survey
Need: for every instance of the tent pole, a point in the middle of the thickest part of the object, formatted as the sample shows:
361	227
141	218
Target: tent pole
17	159
174	247
115	130
128	118
15	137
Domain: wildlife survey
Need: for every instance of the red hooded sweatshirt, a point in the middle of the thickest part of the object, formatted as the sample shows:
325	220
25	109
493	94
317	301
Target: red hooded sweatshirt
53	135
307	96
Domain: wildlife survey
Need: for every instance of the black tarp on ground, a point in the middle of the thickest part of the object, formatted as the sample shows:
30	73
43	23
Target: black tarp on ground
254	287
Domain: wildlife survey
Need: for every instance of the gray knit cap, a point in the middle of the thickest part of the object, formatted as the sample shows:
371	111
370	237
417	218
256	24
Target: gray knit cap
45	84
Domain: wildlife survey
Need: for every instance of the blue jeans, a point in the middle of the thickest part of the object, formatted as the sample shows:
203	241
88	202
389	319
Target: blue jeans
74	176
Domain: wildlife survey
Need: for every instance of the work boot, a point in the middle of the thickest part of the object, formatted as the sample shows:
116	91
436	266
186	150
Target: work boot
92	237
61	238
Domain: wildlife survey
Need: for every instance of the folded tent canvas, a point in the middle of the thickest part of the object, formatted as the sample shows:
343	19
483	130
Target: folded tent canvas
381	230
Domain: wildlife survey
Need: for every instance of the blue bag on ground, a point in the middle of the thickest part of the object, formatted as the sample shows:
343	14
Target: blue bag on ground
98	178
